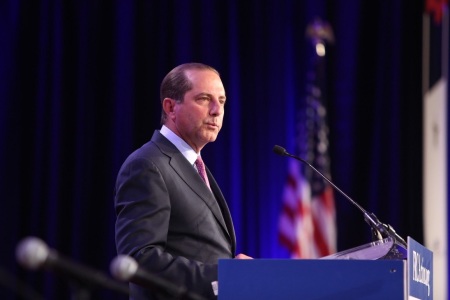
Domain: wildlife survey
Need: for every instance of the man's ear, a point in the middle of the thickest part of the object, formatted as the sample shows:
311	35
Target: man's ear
168	106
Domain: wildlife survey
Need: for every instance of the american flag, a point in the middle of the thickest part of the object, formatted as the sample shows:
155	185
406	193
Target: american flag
308	222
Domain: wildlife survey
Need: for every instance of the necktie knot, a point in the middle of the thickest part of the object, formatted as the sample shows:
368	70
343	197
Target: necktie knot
202	170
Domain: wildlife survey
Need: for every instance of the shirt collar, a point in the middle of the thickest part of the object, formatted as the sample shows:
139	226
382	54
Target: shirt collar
181	145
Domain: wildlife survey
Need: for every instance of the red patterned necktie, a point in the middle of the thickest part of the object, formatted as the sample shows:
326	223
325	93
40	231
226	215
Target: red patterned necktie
201	170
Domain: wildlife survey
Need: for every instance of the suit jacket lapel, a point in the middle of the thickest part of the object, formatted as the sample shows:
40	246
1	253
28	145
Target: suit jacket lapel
188	173
224	208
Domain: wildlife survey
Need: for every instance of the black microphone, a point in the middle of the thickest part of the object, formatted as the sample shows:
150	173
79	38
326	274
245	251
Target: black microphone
33	253
379	230
126	268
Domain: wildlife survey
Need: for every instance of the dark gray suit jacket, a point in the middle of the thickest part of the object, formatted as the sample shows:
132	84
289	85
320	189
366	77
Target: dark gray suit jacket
168	219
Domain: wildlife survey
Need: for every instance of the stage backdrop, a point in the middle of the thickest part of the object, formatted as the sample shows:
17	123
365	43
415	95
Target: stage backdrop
79	90
436	33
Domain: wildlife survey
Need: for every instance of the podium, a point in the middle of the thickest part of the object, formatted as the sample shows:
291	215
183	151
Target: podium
378	270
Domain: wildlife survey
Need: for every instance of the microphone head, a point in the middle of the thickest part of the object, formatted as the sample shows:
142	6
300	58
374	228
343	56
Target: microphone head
32	253
123	267
279	150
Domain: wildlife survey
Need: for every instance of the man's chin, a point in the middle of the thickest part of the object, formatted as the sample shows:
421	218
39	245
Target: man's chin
210	138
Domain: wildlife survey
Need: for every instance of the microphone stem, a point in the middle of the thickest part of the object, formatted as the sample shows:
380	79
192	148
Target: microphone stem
329	181
379	228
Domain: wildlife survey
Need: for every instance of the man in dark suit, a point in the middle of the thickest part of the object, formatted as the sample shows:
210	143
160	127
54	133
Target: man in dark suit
174	223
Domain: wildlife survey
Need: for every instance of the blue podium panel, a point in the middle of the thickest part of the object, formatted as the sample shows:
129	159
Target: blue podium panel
311	279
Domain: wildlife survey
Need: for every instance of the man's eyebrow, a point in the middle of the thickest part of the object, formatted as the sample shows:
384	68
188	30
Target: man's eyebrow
210	95
203	94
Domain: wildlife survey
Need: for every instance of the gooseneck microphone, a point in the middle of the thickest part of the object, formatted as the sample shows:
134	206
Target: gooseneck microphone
33	254
126	268
379	230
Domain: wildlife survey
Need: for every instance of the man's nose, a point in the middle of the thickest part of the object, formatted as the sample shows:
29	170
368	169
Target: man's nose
216	108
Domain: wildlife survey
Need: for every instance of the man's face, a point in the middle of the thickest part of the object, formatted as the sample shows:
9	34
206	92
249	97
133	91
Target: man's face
198	118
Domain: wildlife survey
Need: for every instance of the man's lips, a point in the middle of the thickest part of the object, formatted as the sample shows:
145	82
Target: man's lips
212	124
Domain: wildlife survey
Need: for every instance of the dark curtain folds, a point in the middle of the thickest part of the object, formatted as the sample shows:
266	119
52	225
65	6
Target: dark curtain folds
79	90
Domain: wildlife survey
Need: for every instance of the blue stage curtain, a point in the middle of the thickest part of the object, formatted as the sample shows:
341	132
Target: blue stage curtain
79	90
